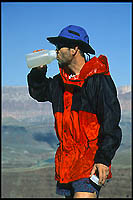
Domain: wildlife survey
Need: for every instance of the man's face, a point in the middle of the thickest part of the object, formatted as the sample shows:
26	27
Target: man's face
64	55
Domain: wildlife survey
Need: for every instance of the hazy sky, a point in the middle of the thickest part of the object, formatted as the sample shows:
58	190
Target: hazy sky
25	26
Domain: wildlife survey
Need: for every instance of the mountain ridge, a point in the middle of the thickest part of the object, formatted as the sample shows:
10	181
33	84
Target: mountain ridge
17	103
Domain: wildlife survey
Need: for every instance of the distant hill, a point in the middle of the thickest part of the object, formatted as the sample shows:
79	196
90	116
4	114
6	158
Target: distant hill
124	95
17	103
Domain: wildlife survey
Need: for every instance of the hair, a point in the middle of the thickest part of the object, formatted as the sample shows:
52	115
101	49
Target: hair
82	53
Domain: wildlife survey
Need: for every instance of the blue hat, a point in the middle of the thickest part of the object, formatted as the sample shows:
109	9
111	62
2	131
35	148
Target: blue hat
73	35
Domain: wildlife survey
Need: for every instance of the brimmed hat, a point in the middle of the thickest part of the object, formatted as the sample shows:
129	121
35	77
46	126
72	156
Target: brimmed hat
73	34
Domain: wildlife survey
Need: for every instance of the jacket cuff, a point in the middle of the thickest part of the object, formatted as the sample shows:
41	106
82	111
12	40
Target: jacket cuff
37	74
99	158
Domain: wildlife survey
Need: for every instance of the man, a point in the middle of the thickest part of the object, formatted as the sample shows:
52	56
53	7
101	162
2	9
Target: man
86	111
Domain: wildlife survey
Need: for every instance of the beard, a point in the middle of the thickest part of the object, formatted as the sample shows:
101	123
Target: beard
64	62
65	67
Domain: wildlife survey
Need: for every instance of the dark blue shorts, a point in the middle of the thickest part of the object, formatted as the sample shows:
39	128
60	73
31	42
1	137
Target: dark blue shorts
81	185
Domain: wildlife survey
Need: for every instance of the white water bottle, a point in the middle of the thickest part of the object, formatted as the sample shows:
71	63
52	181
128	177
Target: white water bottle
42	57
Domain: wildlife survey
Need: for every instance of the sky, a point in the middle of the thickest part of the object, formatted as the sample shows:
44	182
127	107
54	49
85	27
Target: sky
26	25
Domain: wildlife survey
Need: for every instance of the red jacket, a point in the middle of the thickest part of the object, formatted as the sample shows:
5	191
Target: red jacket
87	114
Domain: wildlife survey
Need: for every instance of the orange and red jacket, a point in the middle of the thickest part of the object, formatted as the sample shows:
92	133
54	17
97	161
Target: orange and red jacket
87	115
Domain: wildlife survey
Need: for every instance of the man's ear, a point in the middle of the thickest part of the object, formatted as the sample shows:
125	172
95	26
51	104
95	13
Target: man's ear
75	50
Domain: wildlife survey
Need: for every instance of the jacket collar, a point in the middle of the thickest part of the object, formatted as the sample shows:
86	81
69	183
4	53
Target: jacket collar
94	66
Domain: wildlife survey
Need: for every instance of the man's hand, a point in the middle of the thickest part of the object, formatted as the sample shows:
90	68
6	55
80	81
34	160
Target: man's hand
103	171
42	66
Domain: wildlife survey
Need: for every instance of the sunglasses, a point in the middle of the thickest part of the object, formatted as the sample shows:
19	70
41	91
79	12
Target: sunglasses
61	45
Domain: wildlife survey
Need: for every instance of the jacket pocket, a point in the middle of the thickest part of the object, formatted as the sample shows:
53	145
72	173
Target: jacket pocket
89	125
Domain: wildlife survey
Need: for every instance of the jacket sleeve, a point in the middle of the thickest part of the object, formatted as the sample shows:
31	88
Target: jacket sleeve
108	114
39	86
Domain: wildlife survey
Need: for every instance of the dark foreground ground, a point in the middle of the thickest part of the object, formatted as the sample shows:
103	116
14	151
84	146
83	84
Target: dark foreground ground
41	183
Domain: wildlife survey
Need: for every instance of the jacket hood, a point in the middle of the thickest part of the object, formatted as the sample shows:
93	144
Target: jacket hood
94	66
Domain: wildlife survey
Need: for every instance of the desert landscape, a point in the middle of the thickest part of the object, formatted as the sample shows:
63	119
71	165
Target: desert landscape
29	144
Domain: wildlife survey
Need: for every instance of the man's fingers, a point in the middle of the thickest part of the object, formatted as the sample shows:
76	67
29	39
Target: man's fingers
41	66
93	171
102	176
